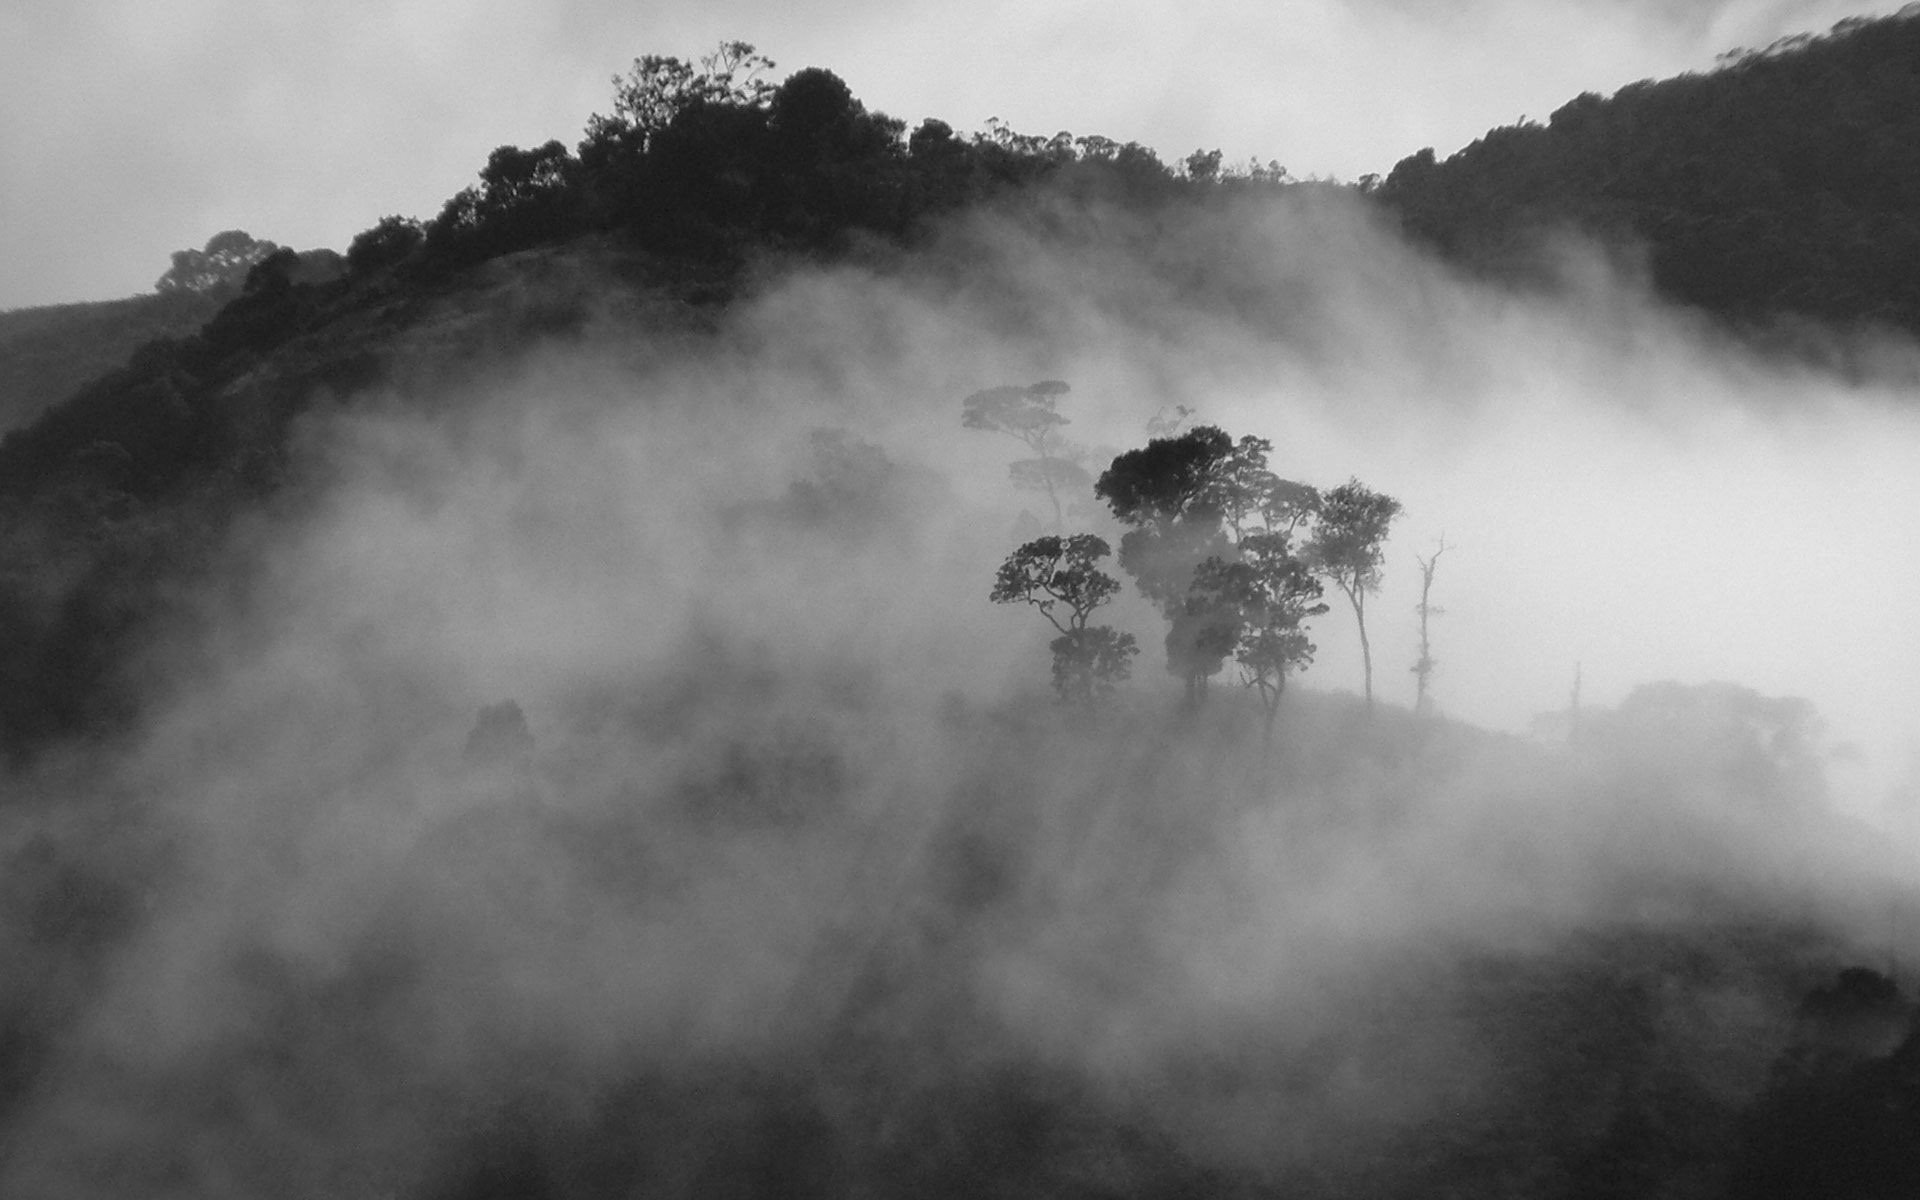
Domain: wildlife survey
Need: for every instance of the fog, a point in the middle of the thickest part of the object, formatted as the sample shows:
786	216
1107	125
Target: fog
795	800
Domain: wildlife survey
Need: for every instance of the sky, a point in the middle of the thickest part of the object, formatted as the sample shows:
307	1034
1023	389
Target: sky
130	129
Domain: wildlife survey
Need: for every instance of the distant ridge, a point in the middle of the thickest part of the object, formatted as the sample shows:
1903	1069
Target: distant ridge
1783	183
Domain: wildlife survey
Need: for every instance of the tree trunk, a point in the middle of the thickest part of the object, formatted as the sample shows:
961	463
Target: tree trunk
1366	662
1046	475
1359	601
1271	699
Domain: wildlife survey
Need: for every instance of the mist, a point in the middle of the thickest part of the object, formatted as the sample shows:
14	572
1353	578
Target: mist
792	814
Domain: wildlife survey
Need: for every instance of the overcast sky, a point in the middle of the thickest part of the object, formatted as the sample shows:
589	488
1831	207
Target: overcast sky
132	128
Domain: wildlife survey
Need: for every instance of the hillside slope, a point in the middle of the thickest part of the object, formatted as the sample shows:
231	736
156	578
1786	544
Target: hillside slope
1784	183
525	718
46	354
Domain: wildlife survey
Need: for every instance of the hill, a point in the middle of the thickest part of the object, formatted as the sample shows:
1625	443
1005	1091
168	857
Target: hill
1779	187
1783	184
525	717
46	354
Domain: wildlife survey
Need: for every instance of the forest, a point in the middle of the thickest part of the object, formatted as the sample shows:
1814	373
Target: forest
770	654
1778	188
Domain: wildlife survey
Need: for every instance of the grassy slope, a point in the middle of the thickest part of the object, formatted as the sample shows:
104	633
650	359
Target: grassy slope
46	354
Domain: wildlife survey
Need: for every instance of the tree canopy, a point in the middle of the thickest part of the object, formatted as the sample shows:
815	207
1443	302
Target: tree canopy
1785	181
1029	414
1210	546
1060	577
1348	547
223	263
1259	605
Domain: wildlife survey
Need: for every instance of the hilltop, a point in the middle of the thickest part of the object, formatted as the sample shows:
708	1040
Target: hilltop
1782	186
521	713
704	179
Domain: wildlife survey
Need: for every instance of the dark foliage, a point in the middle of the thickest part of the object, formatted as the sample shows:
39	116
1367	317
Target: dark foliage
111	498
1192	501
524	198
387	244
1785	181
223	264
47	354
1059	577
1841	1115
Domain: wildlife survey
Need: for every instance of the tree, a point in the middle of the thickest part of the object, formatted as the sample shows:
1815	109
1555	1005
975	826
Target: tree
831	164
683	148
1346	548
524	197
1261	603
1286	505
658	88
1203	166
224	263
1029	415
1052	573
1424	665
390	241
514	178
1189	499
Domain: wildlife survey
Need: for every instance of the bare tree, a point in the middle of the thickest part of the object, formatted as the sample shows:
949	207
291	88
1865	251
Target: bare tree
1424	665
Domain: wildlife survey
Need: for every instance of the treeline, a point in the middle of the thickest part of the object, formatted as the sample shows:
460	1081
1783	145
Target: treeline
47	354
712	162
1786	181
697	170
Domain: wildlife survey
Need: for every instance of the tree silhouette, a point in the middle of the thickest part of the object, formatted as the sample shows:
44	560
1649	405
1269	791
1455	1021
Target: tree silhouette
524	197
831	165
1191	499
1060	577
1347	548
224	263
391	240
1029	415
1170	492
1424	665
1258	605
659	87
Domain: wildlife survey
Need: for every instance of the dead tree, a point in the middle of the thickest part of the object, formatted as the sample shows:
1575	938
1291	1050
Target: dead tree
1423	667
